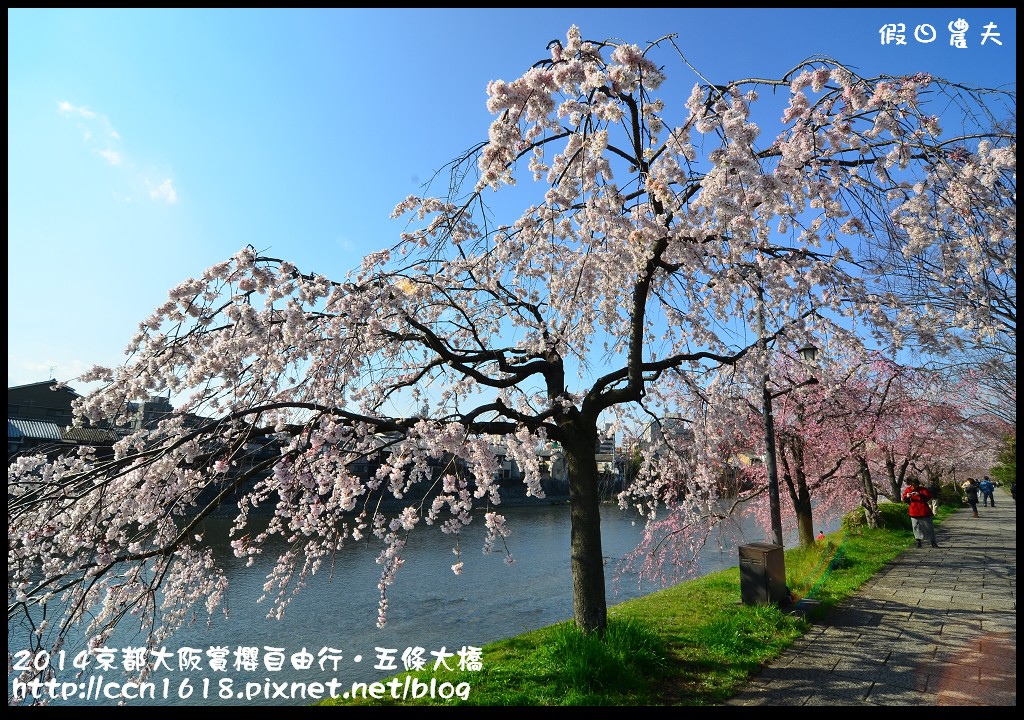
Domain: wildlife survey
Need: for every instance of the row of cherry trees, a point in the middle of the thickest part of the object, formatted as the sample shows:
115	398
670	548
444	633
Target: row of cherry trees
854	434
864	431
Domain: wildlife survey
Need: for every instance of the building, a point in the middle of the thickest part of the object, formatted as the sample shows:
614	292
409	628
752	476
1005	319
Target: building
673	429
40	419
41	401
37	415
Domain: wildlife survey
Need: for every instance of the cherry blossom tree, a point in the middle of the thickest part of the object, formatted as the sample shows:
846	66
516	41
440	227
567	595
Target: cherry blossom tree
925	425
822	420
912	421
665	222
814	447
951	253
958	269
879	423
859	404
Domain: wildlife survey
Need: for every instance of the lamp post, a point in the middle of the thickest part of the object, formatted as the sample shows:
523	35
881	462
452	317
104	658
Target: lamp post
770	462
762	567
808	354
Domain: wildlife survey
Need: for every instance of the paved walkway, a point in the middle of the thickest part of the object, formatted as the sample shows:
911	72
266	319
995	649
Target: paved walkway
934	627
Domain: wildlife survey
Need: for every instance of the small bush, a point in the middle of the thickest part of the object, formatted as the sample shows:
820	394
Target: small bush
854	521
950	494
629	655
893	516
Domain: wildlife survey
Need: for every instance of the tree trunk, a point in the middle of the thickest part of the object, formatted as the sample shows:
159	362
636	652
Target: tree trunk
804	512
897	473
869	496
799	493
588	589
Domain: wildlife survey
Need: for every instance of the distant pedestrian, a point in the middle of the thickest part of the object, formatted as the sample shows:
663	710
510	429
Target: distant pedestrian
1013	490
971	492
921	518
821	536
987	488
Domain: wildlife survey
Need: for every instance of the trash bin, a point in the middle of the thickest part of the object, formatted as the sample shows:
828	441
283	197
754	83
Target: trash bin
763	574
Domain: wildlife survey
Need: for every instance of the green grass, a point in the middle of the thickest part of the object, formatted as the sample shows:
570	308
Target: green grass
693	644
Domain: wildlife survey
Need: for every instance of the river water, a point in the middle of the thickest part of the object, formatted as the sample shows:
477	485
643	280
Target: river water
332	622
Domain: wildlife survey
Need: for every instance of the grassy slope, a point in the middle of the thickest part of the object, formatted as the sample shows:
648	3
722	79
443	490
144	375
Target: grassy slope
691	644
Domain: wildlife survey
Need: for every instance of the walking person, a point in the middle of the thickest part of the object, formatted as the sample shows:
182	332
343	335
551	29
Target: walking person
987	488
971	492
920	509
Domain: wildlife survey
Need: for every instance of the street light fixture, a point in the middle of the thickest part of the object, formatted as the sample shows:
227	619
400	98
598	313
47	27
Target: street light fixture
808	353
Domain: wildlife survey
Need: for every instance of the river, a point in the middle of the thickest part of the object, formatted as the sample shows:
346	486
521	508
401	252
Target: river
332	622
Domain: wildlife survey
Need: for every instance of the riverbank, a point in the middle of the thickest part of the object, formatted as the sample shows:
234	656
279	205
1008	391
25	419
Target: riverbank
714	647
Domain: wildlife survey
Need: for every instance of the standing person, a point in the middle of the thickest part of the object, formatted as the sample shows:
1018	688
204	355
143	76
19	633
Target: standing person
971	492
920	512
987	488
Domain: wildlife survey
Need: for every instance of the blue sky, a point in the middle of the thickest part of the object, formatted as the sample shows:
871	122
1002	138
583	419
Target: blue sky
146	145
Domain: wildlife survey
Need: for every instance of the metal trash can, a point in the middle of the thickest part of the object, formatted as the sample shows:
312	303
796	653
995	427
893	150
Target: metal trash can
763	574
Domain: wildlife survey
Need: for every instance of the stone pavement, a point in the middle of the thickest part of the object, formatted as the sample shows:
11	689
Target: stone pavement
936	626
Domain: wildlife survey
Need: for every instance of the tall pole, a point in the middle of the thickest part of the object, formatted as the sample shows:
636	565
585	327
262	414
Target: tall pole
770	462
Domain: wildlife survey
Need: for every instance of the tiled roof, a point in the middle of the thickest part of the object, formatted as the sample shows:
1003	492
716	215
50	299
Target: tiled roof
39	429
90	436
51	383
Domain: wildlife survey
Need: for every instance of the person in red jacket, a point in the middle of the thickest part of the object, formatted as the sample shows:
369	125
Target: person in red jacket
920	511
